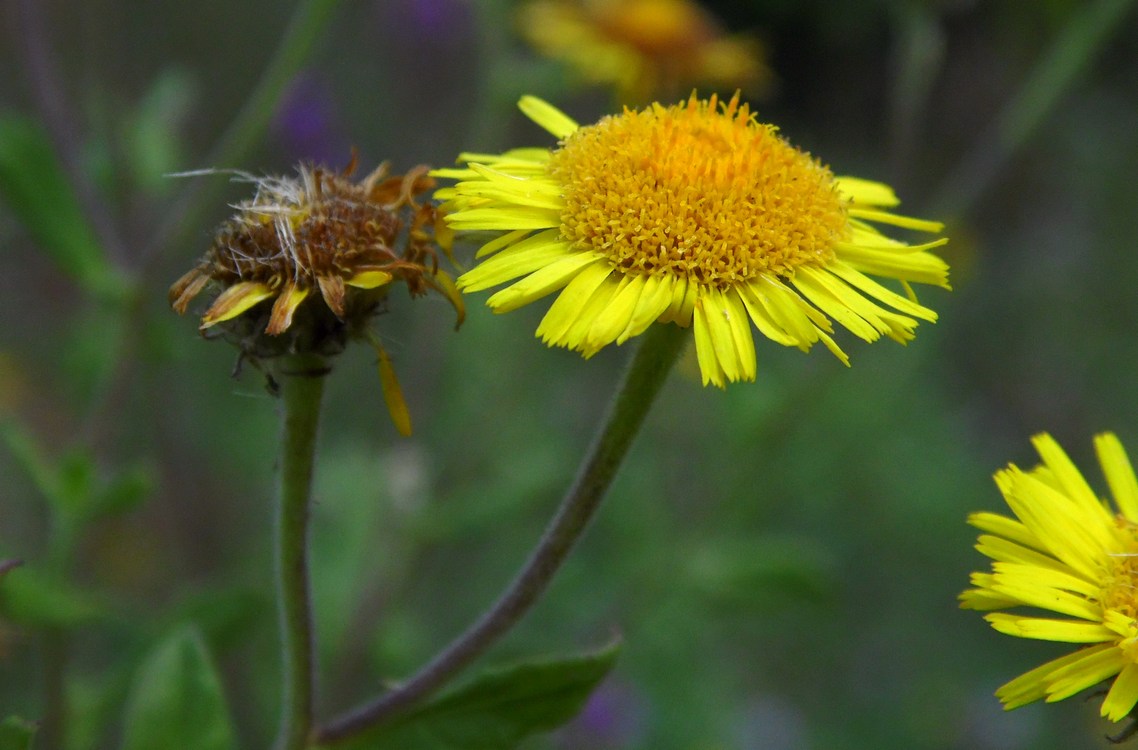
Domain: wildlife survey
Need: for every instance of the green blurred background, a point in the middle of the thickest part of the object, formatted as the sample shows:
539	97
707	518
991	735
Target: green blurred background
781	559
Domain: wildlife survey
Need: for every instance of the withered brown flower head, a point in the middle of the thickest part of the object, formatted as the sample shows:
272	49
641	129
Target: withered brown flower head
326	250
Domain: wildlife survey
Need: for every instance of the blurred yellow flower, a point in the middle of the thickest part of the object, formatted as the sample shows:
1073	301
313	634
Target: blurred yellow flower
1070	553
689	213
645	48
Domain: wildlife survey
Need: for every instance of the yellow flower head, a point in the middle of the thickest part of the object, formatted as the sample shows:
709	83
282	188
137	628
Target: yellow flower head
693	213
643	47
1069	553
305	264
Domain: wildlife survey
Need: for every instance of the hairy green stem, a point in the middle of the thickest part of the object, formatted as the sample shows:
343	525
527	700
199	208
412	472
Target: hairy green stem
302	385
642	381
1052	77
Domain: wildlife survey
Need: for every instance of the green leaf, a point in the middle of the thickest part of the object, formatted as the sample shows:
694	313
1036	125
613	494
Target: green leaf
761	573
16	734
124	492
176	700
70	484
34	187
499	708
30	597
153	143
30	458
76	481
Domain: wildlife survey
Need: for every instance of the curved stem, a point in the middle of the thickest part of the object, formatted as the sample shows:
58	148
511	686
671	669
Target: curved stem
302	385
642	381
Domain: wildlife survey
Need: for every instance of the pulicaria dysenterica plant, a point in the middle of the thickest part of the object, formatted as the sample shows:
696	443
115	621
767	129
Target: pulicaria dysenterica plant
693	214
324	251
1066	552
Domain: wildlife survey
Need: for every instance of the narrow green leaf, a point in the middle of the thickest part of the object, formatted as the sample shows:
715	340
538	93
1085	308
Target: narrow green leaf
34	187
176	700
76	481
153	143
30	458
499	708
29	597
16	734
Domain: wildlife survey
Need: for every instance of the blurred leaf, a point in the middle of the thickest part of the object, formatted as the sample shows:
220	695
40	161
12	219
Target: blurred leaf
76	482
16	734
124	492
760	573
176	700
30	458
152	141
95	701
34	187
499	708
94	349
71	486
223	615
32	598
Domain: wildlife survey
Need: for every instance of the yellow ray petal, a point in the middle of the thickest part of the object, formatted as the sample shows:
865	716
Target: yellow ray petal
1005	527
542	281
1044	629
1123	694
834	307
739	322
574	336
653	302
505	217
186	288
1031	686
705	352
1119	474
866	192
234	301
370	279
392	392
908	222
547	116
442	281
332	289
283	309
523	258
1093	668
570	302
615	318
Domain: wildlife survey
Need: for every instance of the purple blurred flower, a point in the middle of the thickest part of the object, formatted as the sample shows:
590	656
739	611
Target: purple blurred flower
613	717
306	123
439	22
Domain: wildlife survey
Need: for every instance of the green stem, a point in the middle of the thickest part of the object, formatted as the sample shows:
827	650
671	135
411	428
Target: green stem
661	346
1053	76
302	385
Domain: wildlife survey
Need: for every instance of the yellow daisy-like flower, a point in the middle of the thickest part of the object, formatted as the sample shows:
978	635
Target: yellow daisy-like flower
644	48
689	214
1070	553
